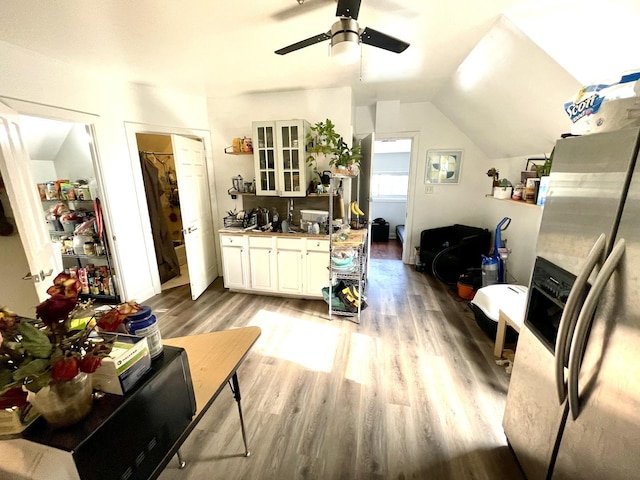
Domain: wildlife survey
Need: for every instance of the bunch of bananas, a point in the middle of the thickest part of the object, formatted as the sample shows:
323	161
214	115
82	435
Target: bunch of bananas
355	209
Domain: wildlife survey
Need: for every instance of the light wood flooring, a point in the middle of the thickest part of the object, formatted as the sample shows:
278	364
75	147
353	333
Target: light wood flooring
412	392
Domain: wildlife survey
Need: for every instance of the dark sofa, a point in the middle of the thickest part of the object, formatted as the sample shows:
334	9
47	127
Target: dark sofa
448	252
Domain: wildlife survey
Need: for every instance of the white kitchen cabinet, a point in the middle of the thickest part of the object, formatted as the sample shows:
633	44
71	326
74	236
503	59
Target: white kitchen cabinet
290	265
277	264
235	261
316	268
280	158
262	263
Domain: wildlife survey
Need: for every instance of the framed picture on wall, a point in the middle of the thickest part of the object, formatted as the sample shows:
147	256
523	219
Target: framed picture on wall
532	163
443	166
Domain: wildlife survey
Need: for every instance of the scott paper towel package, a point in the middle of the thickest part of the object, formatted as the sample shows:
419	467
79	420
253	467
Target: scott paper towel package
605	107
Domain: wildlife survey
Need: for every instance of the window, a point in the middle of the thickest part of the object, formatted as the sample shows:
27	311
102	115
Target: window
388	184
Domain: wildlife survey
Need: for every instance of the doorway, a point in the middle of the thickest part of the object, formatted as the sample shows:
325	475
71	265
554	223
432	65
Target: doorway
163	201
46	147
190	150
389	196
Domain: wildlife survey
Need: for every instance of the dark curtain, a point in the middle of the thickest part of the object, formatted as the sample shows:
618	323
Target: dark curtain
168	265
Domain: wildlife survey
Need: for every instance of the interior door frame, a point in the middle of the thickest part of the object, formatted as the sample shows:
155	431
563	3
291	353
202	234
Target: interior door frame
92	123
414	136
131	129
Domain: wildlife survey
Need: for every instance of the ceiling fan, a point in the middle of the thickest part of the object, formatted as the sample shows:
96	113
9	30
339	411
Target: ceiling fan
346	36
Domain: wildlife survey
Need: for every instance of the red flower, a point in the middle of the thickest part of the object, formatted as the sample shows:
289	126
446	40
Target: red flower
93	358
65	369
65	285
55	309
114	317
90	363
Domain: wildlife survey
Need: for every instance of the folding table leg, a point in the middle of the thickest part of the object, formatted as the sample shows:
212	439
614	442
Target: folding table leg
181	462
235	389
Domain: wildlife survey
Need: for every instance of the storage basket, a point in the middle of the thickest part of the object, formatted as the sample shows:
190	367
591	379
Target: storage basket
247	222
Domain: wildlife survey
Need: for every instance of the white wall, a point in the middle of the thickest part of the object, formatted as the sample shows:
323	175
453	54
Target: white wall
465	202
110	103
73	160
43	170
508	94
448	204
522	233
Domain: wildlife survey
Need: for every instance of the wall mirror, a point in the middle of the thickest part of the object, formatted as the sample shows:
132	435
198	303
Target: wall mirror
443	166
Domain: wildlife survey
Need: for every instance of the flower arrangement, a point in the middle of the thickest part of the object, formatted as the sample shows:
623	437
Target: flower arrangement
57	345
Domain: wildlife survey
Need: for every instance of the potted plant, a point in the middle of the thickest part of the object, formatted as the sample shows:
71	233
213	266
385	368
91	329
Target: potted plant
494	173
48	361
347	158
503	189
321	140
545	169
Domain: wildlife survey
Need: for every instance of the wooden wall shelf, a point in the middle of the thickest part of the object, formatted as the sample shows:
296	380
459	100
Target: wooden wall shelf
520	202
237	153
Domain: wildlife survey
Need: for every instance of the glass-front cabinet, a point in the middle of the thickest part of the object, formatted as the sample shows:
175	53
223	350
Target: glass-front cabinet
279	156
264	154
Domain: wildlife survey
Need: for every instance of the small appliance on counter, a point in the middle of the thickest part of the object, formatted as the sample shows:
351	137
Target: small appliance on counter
313	221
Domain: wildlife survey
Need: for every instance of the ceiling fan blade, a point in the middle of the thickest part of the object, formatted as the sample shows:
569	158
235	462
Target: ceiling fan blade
382	40
348	8
304	43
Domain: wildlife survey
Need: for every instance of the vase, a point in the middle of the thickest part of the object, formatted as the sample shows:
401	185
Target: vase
64	403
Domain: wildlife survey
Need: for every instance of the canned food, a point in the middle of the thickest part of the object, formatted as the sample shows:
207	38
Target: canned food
89	248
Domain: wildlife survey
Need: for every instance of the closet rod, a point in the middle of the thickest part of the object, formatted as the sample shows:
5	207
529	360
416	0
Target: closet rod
157	153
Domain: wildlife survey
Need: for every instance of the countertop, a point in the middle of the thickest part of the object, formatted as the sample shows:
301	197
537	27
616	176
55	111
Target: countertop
235	231
356	237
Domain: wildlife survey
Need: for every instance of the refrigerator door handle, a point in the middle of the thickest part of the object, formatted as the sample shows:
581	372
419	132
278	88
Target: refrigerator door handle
570	312
584	323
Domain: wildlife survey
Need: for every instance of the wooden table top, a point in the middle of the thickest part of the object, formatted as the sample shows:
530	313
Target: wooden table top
213	358
355	239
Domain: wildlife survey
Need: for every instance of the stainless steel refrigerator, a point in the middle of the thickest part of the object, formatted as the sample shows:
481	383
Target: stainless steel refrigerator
573	405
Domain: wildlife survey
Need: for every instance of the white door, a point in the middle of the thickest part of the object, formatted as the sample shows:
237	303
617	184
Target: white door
364	187
43	263
197	218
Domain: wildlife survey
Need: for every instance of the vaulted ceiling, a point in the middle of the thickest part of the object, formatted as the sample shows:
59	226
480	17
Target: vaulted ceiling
221	48
499	69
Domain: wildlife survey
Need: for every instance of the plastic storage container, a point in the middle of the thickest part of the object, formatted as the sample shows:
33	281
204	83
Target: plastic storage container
145	324
489	271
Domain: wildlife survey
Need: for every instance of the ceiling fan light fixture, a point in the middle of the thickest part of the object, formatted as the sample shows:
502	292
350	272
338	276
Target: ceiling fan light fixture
345	41
345	52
